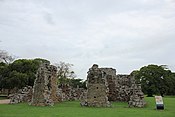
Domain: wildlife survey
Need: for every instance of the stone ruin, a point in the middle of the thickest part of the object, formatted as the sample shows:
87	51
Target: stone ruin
136	97
103	85
65	93
68	93
114	88
97	88
45	86
112	83
45	90
130	91
23	95
124	88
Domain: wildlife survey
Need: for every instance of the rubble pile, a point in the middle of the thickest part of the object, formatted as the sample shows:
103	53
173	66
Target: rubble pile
23	95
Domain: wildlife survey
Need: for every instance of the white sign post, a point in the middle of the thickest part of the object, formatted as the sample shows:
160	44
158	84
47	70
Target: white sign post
159	102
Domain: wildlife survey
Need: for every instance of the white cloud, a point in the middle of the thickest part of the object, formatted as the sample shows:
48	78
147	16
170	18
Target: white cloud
122	34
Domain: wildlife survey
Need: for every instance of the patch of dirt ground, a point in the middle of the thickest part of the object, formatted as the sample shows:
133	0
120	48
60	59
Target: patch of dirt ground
5	101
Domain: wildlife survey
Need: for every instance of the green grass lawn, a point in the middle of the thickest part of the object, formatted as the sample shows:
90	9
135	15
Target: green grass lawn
3	97
73	109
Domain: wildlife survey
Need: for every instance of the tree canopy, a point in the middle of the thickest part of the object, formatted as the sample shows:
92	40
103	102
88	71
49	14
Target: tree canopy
5	57
22	72
19	73
66	76
156	80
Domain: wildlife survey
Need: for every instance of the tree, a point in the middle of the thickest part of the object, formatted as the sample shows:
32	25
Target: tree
40	60
19	73
5	57
29	67
65	73
77	82
4	71
154	79
66	76
170	82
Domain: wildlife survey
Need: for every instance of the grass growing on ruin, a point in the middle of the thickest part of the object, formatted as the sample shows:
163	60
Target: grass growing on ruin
73	109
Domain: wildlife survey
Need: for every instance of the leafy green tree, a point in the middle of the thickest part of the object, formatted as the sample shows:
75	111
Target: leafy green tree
170	82
66	76
154	79
29	67
64	73
19	73
25	66
77	82
4	71
14	80
5	57
40	61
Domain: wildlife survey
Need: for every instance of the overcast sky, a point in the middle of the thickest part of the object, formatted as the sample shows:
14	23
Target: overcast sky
123	34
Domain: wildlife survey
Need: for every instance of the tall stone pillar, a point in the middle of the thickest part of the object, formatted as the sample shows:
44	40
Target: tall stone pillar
97	89
45	87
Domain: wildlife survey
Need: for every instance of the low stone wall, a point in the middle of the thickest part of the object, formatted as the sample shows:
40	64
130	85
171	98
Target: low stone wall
23	95
68	93
136	97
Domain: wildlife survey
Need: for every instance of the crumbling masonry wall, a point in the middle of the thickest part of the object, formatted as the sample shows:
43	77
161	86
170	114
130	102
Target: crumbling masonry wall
112	83
68	93
119	87
124	88
23	95
97	88
103	85
45	87
45	90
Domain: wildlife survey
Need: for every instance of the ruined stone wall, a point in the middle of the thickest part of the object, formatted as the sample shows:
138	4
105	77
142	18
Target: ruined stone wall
109	71
136	96
53	81
112	84
67	93
130	91
123	88
23	95
97	88
44	90
103	85
119	85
